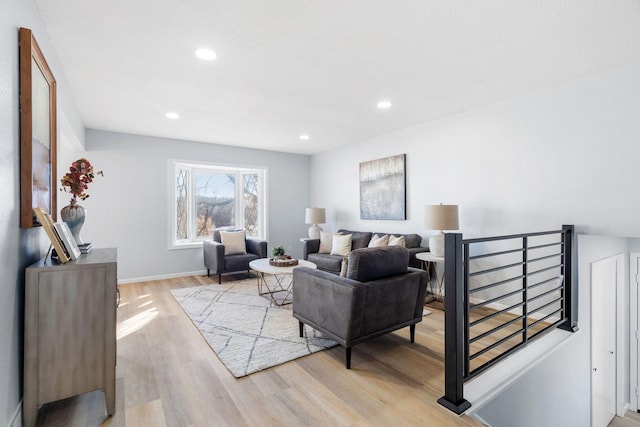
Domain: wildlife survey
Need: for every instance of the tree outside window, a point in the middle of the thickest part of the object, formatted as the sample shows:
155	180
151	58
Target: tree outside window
213	197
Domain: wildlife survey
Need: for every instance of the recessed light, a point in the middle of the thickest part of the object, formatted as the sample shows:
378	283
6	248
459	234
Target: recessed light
172	115
304	136
206	54
384	105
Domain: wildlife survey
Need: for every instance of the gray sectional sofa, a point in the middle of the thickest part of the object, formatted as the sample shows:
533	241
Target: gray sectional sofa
359	239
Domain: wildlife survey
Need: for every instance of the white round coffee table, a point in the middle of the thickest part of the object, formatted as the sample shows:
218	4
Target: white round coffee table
283	277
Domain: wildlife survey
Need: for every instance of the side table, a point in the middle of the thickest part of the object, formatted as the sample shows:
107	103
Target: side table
429	260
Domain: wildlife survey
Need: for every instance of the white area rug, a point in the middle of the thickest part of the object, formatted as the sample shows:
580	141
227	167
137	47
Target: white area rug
244	329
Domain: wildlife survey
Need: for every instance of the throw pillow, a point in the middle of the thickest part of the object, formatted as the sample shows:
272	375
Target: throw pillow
326	240
397	241
234	242
379	241
341	244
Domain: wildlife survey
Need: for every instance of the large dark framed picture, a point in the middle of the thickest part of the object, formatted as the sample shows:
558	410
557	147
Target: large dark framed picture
37	132
383	188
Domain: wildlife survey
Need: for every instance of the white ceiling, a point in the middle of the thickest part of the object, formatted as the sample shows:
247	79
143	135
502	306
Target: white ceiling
287	67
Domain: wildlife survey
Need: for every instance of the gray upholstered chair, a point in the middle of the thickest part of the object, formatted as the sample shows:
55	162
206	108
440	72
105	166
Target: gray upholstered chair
217	262
379	294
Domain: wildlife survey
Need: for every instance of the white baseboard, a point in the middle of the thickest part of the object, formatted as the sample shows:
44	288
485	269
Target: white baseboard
163	276
16	419
478	418
625	408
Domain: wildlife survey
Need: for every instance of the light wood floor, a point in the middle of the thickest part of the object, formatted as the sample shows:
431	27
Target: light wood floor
167	375
631	419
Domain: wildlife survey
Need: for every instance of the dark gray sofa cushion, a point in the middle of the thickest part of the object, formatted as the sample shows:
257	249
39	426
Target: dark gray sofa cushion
238	262
359	239
368	264
327	262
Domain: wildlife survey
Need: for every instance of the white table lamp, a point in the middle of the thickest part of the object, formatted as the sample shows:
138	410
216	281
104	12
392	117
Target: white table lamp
440	217
314	216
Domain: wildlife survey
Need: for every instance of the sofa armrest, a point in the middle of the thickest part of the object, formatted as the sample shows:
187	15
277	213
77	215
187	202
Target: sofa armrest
257	247
334	303
213	256
394	300
413	261
310	246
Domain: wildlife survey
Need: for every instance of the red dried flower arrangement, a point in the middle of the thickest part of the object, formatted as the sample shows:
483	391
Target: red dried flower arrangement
77	179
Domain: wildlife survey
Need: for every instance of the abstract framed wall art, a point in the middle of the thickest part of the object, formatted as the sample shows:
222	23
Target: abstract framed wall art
383	188
38	132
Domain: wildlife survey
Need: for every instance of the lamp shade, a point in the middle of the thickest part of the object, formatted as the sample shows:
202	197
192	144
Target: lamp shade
314	216
441	217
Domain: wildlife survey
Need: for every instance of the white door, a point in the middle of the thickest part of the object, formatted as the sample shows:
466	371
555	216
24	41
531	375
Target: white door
634	343
603	341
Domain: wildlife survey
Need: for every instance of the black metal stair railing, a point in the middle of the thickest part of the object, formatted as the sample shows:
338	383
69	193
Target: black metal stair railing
500	294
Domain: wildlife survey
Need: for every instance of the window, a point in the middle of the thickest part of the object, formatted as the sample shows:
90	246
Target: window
206	197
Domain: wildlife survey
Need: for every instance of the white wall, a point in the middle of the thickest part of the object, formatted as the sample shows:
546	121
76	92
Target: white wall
565	155
128	207
19	247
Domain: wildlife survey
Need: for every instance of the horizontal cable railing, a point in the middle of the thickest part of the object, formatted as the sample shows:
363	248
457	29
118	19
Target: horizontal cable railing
500	294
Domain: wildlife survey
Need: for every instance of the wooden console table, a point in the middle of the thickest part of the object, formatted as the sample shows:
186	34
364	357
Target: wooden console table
70	330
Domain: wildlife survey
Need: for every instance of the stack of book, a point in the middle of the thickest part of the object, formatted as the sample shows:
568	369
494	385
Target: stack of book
85	248
64	245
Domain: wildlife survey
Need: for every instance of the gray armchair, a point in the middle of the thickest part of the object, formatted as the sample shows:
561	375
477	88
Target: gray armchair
379	295
217	262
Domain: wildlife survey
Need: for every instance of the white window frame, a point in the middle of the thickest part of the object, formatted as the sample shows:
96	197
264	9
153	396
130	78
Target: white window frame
194	166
